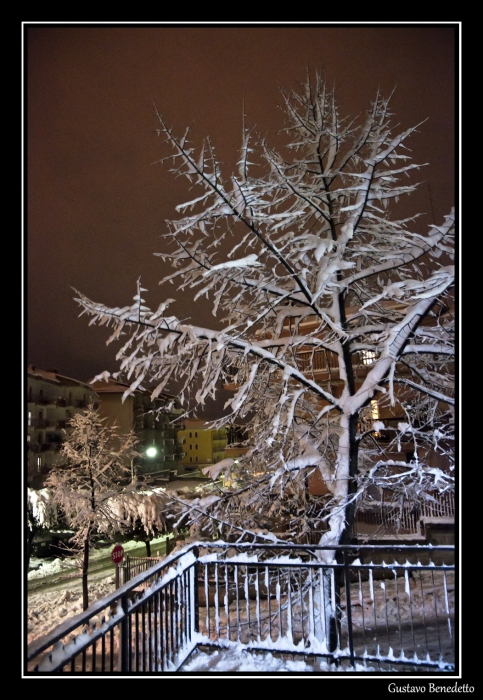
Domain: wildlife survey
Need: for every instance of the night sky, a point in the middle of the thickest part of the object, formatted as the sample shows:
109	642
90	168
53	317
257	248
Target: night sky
95	201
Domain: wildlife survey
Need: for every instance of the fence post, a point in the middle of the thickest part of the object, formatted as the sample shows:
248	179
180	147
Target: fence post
117	576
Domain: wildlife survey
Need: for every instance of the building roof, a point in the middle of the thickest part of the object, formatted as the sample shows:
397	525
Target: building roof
109	385
52	376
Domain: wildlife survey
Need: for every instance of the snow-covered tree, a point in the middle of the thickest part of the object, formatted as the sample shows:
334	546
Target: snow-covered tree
87	487
41	514
335	320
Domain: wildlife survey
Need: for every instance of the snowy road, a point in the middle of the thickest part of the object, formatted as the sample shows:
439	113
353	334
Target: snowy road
54	590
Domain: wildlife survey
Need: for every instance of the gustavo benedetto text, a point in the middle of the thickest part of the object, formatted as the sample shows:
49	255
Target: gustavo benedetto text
431	688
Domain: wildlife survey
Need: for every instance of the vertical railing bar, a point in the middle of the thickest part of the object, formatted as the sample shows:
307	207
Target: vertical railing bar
217	607
435	600
171	622
269	595
163	628
125	642
399	620
150	634
167	647
289	608
247	601
257	603
374	607
279	601
176	615
361	602
237	595
348	604
384	588
301	603
94	654
207	601
423	610
448	612
136	636
143	645
194	583
157	630
227	603
408	573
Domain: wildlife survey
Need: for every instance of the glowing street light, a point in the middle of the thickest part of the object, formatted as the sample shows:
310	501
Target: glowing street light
151	452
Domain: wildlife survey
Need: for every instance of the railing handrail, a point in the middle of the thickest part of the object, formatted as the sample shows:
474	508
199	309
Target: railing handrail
38	645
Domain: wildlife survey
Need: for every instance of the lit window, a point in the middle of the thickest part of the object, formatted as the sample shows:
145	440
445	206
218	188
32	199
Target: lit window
374	410
368	357
375	415
30	417
39	463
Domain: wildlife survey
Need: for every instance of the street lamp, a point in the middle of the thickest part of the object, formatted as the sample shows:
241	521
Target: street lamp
151	452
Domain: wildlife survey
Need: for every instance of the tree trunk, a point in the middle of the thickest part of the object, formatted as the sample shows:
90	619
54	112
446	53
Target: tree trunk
85	568
28	548
148	548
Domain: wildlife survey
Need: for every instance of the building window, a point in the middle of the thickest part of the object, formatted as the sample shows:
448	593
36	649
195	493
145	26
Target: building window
375	415
191	435
191	447
368	357
191	459
196	457
196	446
30	394
39	463
196	435
30	417
374	410
28	438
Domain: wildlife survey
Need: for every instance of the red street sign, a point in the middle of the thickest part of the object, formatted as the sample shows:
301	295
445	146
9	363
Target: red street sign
117	554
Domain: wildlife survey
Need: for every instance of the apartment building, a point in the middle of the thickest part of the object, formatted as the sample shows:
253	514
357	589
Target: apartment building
52	400
155	423
202	445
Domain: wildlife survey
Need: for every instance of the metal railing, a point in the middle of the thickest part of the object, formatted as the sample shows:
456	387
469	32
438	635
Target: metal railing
388	519
359	608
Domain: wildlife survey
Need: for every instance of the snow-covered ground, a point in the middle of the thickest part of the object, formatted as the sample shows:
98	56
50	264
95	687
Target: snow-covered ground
54	586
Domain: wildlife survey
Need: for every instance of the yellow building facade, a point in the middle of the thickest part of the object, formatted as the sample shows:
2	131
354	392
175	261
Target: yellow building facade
202	445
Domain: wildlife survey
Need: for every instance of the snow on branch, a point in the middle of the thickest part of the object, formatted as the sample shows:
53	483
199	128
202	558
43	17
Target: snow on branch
335	318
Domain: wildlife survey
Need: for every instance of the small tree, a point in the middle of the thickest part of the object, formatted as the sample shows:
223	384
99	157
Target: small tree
88	486
336	312
41	515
